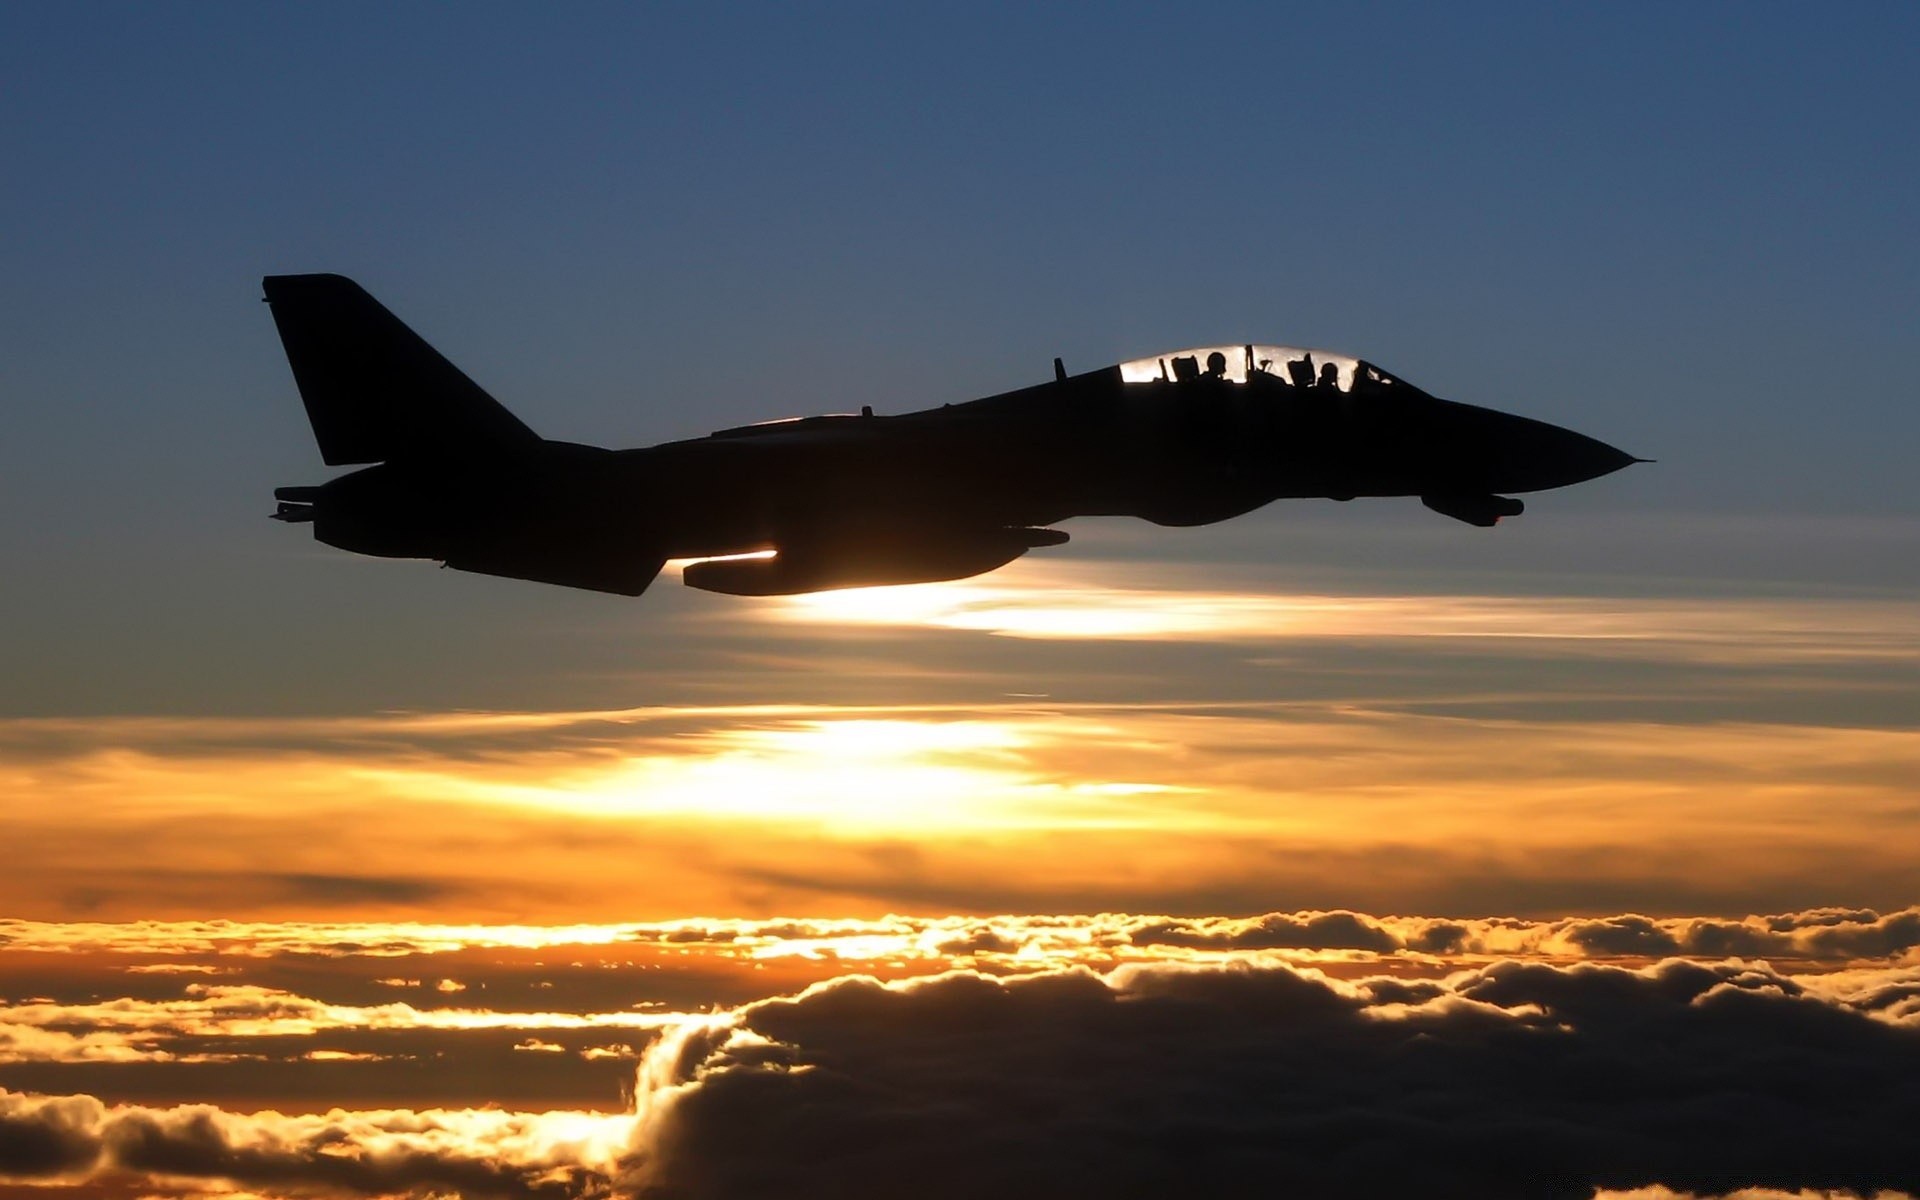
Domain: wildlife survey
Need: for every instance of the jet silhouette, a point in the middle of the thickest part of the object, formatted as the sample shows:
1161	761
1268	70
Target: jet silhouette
1187	438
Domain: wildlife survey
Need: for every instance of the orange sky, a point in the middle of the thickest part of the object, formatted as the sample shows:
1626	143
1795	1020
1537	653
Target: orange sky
1462	754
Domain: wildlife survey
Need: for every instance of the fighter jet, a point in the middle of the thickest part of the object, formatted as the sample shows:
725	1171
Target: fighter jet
855	500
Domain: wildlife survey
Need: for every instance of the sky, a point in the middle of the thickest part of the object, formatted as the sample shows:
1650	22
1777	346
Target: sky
1339	843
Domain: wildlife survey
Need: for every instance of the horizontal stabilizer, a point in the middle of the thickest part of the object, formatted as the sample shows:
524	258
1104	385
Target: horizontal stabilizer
375	391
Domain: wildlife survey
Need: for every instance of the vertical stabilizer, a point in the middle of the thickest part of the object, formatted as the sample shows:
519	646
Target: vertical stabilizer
375	391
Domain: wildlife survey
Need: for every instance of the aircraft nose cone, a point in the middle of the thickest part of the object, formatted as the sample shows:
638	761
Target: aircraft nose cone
1530	456
1589	458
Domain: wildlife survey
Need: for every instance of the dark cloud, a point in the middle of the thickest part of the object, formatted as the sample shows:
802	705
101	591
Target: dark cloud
1516	1080
49	1137
979	939
1619	936
1276	931
699	934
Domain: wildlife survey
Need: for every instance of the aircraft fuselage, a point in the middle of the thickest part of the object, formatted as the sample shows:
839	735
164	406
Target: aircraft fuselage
934	494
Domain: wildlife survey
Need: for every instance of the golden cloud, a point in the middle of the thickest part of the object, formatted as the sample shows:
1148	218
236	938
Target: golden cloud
721	803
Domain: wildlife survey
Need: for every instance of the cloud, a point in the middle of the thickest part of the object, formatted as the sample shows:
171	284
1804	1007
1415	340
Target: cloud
1820	934
136	1030
1205	1061
474	1153
265	939
1112	600
1340	800
1243	1079
1275	931
1826	934
48	1137
23	1043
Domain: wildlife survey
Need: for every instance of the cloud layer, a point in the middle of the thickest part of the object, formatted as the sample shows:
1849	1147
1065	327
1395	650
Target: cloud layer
526	1156
1517	1079
1822	934
1208	1061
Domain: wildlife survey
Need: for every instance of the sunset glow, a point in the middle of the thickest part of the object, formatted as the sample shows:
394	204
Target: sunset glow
1094	601
1160	787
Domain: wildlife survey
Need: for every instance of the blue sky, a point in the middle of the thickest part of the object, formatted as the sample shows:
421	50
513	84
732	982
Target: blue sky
1685	230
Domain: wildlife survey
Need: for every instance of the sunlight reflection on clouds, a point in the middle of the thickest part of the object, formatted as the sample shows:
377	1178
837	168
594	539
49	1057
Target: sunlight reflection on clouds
881	798
1205	741
853	774
1100	600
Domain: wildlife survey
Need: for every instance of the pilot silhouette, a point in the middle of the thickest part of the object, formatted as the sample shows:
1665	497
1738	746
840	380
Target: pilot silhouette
1217	365
1329	375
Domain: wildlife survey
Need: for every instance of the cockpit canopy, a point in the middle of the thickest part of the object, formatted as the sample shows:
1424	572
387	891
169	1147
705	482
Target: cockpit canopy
1288	366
